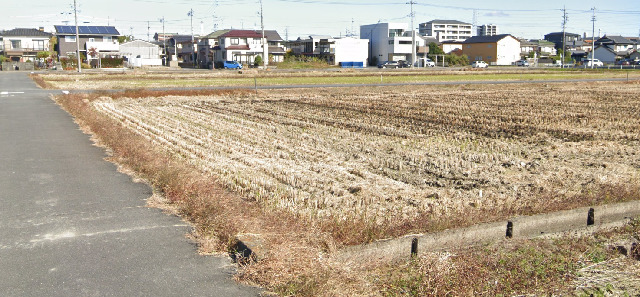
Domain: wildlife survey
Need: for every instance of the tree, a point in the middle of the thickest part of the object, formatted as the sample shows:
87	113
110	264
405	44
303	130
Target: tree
434	49
43	55
257	61
125	38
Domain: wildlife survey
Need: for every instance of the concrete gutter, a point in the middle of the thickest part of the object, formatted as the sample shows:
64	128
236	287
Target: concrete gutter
576	220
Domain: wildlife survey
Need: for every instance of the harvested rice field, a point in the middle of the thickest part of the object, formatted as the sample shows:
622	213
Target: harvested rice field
406	152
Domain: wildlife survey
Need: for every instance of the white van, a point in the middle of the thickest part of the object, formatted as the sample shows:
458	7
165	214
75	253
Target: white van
595	62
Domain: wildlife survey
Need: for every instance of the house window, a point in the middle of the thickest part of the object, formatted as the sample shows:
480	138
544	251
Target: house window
405	42
391	41
92	40
69	39
469	46
488	57
235	41
107	39
16	44
489	45
38	45
395	32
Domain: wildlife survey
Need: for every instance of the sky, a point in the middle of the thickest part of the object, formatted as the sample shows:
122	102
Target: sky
301	18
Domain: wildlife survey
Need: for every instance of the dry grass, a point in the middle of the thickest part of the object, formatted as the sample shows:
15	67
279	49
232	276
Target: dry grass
312	171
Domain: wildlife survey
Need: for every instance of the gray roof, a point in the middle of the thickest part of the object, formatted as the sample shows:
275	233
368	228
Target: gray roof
26	32
613	40
487	39
272	35
453	22
216	34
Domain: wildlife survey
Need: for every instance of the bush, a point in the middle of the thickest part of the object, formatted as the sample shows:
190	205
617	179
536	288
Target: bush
257	61
112	62
455	60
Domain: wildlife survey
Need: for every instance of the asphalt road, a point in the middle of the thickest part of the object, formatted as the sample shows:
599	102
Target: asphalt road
71	225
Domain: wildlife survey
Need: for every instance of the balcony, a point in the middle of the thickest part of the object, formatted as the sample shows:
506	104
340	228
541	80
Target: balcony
113	46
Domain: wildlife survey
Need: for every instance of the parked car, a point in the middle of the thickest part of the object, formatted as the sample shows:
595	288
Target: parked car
522	63
595	62
389	64
624	62
232	65
479	64
429	63
404	64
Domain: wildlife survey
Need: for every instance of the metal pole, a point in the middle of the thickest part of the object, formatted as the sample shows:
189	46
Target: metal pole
265	44
75	12
593	37
564	35
413	36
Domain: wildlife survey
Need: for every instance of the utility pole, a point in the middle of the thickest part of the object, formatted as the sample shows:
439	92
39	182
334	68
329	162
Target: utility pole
75	13
475	23
413	35
265	45
164	43
593	37
565	18
193	51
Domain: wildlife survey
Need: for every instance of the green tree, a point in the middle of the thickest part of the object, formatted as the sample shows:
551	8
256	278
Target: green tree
257	61
3	58
434	49
43	55
125	38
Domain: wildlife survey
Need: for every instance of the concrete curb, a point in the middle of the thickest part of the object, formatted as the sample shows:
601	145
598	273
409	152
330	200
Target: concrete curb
576	220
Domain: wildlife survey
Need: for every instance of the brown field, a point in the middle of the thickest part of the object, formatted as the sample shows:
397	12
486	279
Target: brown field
319	169
381	153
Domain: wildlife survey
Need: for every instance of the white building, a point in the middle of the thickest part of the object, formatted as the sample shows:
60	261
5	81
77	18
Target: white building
447	30
488	30
496	50
392	42
140	53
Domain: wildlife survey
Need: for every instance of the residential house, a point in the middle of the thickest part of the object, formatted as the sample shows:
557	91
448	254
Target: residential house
101	39
23	44
309	46
207	49
392	42
140	53
185	49
277	45
488	30
612	48
544	48
572	40
348	51
239	45
501	49
527	47
446	30
449	47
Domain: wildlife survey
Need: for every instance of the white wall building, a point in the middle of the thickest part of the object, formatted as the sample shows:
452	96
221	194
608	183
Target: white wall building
488	30
140	53
447	30
391	42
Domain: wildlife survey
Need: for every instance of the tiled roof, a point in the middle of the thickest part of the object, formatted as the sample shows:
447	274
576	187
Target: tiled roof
613	40
452	22
486	39
242	34
26	32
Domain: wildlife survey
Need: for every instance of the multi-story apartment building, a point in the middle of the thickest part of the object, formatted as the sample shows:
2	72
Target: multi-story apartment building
446	30
392	42
488	30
